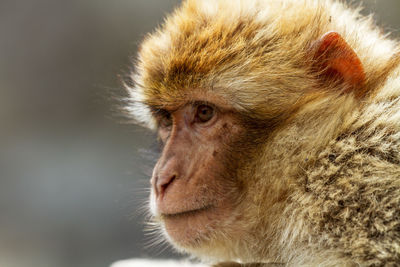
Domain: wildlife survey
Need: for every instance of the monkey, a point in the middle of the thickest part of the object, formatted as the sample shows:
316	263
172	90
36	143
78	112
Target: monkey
280	129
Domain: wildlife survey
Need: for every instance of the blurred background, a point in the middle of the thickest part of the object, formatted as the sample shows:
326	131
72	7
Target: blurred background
73	178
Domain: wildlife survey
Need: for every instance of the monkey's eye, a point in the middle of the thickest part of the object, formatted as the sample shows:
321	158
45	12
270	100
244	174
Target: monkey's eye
164	118
204	113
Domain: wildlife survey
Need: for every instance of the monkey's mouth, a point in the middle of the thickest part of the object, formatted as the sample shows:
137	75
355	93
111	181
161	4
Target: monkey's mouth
193	226
187	213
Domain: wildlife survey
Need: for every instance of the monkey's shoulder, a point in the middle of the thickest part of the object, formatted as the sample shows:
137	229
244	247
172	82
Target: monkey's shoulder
353	188
367	152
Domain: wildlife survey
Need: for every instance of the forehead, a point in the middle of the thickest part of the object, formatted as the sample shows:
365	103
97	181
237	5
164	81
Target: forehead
193	51
189	96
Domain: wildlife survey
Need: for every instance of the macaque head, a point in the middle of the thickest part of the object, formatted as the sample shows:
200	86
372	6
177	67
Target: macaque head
222	82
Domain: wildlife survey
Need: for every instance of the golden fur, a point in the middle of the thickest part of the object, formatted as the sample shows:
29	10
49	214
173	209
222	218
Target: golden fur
325	187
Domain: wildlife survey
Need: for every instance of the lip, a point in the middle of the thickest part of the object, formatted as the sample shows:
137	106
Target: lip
187	213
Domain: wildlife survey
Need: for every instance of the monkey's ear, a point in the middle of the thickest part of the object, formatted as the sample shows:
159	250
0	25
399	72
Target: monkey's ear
335	59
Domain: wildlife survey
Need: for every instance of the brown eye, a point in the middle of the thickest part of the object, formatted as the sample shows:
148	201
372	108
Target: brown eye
204	113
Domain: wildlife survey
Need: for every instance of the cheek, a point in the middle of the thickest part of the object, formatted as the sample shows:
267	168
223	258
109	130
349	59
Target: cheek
153	197
153	204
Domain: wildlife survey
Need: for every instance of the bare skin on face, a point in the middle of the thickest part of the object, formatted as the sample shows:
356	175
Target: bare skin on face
190	196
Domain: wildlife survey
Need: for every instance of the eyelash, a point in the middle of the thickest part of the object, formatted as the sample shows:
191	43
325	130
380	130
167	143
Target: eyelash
164	118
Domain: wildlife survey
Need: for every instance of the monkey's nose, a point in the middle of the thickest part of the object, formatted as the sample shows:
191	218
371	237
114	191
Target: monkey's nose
163	182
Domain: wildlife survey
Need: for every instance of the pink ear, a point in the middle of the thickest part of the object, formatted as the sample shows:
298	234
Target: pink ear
337	60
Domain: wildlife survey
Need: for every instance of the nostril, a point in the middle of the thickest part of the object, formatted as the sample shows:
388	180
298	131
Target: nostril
163	183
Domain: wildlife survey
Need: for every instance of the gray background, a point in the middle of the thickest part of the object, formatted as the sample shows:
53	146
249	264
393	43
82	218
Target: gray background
73	178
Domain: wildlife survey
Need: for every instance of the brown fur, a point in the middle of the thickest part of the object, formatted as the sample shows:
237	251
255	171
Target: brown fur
321	183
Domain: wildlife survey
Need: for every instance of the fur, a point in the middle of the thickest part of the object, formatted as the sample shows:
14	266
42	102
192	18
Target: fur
325	187
154	263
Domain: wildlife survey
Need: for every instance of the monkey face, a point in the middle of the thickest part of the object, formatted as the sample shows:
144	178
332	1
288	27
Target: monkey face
194	187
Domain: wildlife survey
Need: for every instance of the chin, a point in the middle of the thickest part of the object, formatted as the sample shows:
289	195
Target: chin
207	233
192	229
